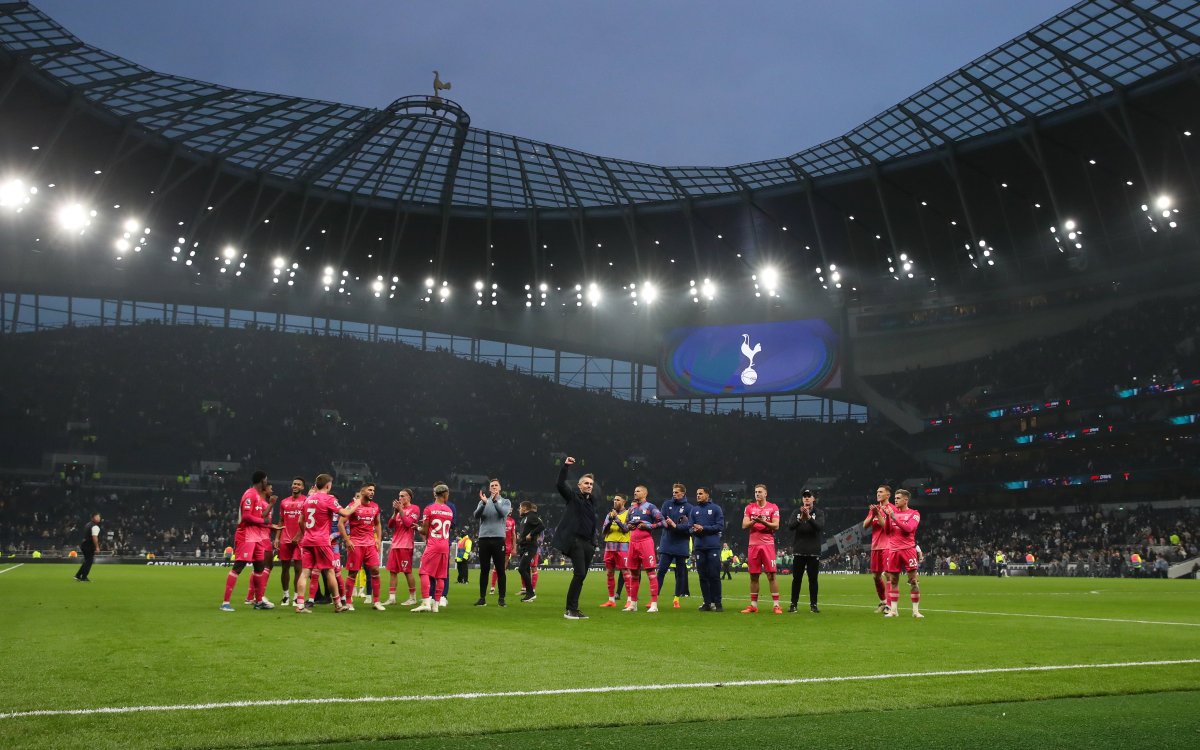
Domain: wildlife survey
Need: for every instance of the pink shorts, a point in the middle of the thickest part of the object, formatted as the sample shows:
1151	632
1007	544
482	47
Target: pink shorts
877	560
363	556
399	560
435	562
319	557
761	558
247	551
289	551
900	560
641	555
615	559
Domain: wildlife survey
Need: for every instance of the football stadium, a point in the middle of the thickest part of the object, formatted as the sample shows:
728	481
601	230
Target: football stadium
330	425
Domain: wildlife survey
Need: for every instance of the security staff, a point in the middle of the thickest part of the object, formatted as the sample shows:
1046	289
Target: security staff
806	546
708	523
462	556
89	546
726	562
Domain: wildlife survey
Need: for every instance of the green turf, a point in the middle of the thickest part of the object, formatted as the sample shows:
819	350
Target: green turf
153	636
1159	720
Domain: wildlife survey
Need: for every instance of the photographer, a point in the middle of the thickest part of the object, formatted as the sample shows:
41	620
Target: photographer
807	550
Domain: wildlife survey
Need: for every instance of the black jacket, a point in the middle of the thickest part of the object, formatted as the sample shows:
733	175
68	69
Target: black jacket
578	520
808	533
532	525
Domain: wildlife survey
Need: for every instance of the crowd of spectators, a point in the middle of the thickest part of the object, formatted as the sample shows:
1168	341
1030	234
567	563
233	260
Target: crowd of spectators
1080	541
157	399
1152	339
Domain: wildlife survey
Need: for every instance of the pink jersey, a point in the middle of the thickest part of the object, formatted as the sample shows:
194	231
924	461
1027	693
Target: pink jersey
403	524
878	534
250	517
510	531
319	508
760	534
362	524
440	519
902	530
290	511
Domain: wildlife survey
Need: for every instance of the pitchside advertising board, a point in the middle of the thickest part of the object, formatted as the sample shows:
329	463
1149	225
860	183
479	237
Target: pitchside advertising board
792	356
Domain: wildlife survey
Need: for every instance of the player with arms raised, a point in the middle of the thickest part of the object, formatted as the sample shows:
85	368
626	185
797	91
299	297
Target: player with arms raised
762	519
315	551
874	521
436	522
403	523
364	541
901	524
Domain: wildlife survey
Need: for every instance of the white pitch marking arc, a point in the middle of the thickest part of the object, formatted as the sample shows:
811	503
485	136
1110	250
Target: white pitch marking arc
2	572
583	690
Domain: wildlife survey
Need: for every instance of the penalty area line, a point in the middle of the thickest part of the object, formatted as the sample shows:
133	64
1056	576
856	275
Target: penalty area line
2	572
583	690
1045	617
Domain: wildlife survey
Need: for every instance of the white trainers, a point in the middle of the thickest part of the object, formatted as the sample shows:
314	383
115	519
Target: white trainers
434	607
442	603
265	600
890	613
409	601
918	615
349	607
392	600
652	608
630	606
422	607
378	607
286	600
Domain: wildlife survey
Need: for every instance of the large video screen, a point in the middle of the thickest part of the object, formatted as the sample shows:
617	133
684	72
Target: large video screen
794	356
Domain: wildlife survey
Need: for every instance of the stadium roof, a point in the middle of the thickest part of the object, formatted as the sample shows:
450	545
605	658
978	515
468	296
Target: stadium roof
419	151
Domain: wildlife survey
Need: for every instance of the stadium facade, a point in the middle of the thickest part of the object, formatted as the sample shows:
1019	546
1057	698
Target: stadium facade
1046	181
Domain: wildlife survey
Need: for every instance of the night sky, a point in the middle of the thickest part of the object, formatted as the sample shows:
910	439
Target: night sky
674	83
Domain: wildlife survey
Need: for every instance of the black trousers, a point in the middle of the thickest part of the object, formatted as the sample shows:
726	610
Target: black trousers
708	569
89	557
580	554
491	552
681	576
726	571
463	571
525	567
800	565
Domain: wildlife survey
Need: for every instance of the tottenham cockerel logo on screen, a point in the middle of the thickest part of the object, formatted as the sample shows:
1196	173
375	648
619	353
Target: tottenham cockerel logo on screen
749	376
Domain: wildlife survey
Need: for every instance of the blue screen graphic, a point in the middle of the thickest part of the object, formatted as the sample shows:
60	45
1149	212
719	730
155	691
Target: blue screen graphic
794	356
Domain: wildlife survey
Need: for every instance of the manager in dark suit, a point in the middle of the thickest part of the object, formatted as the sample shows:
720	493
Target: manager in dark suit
575	536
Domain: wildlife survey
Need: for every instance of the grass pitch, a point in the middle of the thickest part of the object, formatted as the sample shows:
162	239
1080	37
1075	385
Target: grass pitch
152	637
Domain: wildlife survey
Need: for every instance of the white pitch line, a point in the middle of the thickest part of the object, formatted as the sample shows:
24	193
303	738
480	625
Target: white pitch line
582	690
2	572
1047	617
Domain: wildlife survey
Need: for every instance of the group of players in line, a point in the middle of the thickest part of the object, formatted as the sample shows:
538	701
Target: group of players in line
305	542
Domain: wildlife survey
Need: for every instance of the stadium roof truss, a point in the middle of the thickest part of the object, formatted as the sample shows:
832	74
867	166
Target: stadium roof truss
422	152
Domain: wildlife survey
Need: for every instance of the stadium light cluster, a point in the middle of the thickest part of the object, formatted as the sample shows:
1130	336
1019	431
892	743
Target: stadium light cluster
984	255
1162	214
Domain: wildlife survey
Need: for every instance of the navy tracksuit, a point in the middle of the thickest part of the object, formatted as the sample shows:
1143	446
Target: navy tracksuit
707	549
675	544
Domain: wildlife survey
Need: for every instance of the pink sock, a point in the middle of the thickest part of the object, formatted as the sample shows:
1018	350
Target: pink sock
230	582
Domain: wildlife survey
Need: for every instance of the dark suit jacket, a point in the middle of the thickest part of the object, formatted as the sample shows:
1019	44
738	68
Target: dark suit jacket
578	520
